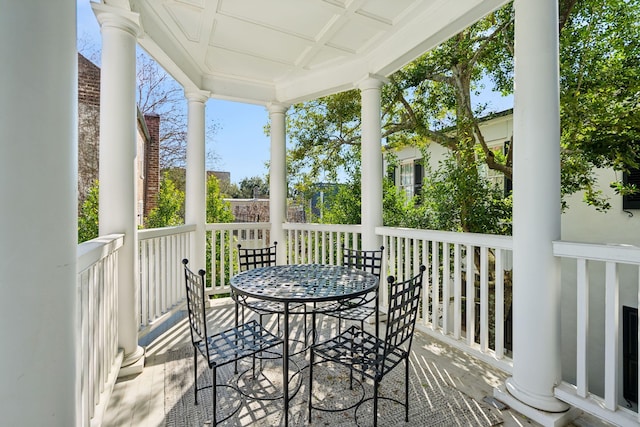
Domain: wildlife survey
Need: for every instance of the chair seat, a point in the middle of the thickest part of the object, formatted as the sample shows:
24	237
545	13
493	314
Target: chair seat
235	343
361	351
269	307
351	309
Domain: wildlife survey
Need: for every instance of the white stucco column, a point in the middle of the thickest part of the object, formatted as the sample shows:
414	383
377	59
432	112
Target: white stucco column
38	199
117	166
195	209
278	178
371	208
536	207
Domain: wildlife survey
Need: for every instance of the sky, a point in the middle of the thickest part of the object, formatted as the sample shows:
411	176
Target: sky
240	145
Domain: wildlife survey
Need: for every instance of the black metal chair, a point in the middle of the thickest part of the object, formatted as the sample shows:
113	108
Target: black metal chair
224	347
359	309
249	259
372	356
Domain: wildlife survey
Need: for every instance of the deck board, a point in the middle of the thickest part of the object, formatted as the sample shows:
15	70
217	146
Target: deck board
140	400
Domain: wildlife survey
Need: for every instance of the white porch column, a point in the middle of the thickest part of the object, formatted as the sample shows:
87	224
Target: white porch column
117	167
38	243
278	178
371	208
195	209
536	207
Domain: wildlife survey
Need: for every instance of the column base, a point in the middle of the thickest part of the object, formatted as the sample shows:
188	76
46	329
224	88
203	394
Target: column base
133	363
560	413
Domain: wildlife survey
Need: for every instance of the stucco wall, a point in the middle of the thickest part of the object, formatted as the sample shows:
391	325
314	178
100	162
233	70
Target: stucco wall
582	223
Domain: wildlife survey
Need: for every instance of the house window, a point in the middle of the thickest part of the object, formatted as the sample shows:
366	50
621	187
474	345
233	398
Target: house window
411	176
631	201
496	178
406	179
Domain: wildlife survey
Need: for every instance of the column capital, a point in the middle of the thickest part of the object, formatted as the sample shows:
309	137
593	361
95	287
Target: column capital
371	81
112	17
277	107
197	95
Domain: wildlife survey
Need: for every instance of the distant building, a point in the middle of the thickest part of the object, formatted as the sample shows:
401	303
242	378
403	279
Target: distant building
148	142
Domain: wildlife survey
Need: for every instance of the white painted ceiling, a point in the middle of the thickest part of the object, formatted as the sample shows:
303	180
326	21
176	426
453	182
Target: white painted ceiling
286	51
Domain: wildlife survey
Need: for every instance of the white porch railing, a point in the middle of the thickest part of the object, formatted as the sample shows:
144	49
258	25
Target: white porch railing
98	354
222	252
599	391
320	243
306	243
475	324
161	278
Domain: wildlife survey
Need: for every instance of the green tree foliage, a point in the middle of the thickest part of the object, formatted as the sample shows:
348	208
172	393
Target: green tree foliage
450	189
170	208
600	94
439	207
255	186
218	210
431	101
88	217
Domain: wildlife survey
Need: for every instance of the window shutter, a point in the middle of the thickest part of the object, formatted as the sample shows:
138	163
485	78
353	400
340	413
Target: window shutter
418	175
631	201
391	173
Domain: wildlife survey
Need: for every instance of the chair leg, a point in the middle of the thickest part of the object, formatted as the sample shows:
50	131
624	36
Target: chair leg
195	374
362	329
310	379
351	368
406	389
213	393
376	385
314	327
305	325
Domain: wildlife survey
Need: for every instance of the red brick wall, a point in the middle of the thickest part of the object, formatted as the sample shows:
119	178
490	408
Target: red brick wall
152	152
88	125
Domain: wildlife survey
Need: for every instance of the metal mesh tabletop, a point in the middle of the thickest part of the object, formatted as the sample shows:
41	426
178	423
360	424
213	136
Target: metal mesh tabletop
304	283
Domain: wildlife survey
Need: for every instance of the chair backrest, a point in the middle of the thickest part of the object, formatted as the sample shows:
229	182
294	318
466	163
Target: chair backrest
404	301
370	261
255	258
196	303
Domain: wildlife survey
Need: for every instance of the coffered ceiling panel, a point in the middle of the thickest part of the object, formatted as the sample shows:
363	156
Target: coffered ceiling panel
287	51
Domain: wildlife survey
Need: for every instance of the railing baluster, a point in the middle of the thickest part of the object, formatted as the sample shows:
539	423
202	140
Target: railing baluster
425	283
499	305
332	259
611	336
470	290
457	292
435	282
484	299
446	287
582	297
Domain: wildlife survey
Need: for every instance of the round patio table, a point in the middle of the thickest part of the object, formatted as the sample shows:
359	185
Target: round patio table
300	283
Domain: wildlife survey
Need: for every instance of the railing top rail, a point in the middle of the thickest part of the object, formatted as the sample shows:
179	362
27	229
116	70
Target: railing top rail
152	233
92	251
626	254
342	228
238	225
475	239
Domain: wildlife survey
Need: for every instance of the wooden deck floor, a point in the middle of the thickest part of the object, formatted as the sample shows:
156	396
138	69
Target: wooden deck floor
143	400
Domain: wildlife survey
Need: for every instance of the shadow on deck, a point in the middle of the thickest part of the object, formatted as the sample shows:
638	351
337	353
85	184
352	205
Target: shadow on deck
447	387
